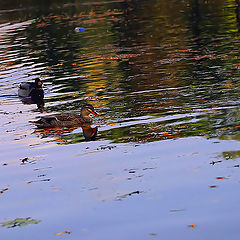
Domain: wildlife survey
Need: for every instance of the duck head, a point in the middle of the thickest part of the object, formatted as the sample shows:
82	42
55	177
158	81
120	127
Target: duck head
88	109
38	83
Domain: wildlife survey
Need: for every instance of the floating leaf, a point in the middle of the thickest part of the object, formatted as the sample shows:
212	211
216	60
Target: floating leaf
19	222
214	162
24	160
192	225
3	190
60	233
153	234
221	177
176	210
128	194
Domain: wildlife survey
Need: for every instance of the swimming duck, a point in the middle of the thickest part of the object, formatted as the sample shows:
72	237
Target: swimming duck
32	92
67	119
28	89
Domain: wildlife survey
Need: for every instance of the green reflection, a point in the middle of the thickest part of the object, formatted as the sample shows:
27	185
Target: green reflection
230	155
131	63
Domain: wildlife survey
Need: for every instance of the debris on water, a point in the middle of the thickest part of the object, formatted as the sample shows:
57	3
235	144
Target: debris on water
40	169
177	210
128	194
42	180
29	160
214	162
45	180
135	192
106	147
192	225
79	29
222	178
24	160
60	233
131	170
148	168
19	222
42	175
3	190
153	234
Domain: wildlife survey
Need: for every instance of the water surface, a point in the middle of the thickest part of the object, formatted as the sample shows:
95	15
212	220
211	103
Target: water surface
164	76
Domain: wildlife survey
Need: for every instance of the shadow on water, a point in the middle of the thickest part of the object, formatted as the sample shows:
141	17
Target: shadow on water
31	100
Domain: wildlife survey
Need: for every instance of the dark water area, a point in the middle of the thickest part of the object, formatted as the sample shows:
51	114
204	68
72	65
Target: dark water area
164	77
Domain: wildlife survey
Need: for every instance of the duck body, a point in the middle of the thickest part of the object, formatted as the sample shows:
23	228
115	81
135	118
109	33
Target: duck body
67	119
31	89
32	93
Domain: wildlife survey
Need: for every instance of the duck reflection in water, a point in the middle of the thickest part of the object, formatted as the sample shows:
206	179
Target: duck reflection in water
89	133
32	93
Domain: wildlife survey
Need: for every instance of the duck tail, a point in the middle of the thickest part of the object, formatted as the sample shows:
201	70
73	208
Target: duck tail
38	123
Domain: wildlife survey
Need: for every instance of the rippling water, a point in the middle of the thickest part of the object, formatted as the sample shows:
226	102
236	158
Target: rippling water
164	76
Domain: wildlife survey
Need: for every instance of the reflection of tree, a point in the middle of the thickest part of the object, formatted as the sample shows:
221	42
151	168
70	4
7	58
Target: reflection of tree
72	60
210	124
231	155
238	14
170	59
212	64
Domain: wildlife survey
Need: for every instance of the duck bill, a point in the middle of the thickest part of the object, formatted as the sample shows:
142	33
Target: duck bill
39	83
94	113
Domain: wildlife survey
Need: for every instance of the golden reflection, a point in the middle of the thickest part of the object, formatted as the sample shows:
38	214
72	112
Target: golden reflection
63	135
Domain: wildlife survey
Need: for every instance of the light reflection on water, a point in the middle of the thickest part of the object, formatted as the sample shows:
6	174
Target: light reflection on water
160	74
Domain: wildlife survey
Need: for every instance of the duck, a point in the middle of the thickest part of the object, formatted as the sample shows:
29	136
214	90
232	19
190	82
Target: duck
27	89
32	93
67	119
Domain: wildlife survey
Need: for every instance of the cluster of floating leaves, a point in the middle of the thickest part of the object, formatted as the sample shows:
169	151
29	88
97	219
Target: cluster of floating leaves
19	222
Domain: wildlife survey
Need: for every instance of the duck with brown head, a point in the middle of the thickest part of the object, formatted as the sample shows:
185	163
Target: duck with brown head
67	119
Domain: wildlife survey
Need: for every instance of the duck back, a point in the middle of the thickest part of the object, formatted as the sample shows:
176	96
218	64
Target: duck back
62	120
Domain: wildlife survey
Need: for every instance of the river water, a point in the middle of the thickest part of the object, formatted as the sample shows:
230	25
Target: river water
164	77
